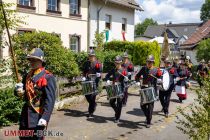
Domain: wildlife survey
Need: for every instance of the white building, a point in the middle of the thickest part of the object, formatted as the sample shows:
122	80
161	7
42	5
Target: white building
75	21
115	16
66	18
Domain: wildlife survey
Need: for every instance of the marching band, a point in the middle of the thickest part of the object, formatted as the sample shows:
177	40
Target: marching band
155	83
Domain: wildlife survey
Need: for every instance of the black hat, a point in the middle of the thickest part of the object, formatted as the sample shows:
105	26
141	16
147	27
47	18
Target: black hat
118	59
151	58
91	53
36	53
125	55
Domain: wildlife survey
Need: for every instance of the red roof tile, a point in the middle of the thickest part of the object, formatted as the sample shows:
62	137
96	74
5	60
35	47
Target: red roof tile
201	33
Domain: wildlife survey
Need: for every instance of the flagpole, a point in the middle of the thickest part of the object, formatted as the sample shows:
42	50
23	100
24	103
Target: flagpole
10	42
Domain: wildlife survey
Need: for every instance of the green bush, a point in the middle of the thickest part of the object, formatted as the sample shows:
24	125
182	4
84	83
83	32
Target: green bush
59	60
107	58
203	50
10	107
80	59
138	50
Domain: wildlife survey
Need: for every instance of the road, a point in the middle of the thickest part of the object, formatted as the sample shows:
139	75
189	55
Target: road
74	125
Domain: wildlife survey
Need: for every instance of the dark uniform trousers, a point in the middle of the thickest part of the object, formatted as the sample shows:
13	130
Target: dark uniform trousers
36	136
91	98
116	104
164	97
148	109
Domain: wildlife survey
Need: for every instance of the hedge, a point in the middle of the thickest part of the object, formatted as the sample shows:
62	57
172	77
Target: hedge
105	57
138	50
59	60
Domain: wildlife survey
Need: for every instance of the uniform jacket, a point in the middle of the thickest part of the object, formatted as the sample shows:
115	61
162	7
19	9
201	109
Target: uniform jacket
129	67
117	76
182	73
147	79
29	117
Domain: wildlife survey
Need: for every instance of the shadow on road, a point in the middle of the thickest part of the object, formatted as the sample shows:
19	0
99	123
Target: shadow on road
136	112
131	124
74	113
175	100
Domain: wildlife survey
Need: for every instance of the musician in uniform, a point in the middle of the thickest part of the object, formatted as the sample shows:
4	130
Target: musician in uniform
92	66
202	72
183	76
38	91
176	62
149	74
165	96
118	75
189	64
128	65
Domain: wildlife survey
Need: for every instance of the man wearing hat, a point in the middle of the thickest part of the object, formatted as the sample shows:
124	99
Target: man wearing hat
92	66
176	62
38	90
165	96
118	75
127	64
202	72
148	73
182	76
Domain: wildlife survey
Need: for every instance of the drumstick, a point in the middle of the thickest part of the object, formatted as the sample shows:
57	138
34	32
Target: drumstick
153	76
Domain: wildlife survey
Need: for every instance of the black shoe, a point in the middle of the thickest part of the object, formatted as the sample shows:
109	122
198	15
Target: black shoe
148	125
180	100
116	121
166	115
90	115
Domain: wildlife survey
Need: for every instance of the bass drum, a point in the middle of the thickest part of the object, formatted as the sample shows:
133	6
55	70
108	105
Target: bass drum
164	86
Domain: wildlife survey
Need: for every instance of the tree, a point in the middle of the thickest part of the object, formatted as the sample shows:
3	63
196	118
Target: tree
197	123
140	28
205	14
203	50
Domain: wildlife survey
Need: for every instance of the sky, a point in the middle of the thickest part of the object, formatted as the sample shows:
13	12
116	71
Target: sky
165	11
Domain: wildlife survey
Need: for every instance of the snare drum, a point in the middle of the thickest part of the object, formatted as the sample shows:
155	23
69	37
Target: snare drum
89	87
148	95
114	91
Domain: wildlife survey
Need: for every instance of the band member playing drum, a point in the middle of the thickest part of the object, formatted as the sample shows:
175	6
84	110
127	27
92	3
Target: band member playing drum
119	75
127	64
92	66
165	95
182	75
149	74
202	72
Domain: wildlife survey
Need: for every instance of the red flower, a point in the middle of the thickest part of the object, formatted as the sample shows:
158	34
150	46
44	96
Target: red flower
159	72
42	82
97	66
124	73
171	71
130	66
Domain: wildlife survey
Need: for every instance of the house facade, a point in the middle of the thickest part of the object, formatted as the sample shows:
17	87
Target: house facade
76	21
114	17
189	47
66	18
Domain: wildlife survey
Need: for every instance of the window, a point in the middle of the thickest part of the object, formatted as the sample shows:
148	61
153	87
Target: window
25	2
108	22
25	30
75	43
74	7
53	5
124	24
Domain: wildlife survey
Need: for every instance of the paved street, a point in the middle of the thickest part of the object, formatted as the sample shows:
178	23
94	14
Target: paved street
72	122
